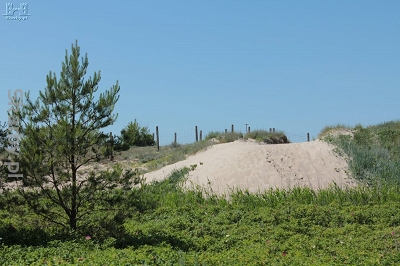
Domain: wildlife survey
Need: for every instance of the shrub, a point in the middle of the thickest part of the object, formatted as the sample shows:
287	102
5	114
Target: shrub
268	137
175	145
224	137
372	152
134	135
213	135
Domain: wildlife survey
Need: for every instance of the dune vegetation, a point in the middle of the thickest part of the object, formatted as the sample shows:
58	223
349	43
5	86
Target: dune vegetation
162	224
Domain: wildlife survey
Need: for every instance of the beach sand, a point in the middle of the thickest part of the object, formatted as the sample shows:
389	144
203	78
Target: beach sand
247	164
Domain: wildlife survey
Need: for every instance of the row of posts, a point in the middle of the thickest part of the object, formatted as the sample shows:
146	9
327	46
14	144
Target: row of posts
271	130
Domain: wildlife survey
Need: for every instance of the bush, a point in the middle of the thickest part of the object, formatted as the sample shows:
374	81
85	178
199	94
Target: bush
134	135
268	137
373	152
213	135
224	137
175	145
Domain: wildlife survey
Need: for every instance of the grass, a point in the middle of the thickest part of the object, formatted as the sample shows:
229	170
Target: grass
258	135
222	137
268	137
162	224
167	155
373	152
285	227
329	129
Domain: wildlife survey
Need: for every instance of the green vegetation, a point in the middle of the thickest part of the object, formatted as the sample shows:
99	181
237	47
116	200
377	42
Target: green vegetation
149	159
329	129
134	135
268	137
224	137
258	135
61	133
114	217
162	224
373	152
3	137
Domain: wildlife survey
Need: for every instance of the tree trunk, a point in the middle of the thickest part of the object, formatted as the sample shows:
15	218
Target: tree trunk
74	210
72	220
73	215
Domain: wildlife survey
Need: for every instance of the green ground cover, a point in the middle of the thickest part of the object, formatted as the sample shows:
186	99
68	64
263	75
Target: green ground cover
161	224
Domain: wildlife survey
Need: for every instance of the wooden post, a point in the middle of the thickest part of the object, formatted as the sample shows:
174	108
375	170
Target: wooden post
246	129
158	139
197	136
226	131
249	130
273	130
270	130
112	146
232	129
308	136
175	138
201	135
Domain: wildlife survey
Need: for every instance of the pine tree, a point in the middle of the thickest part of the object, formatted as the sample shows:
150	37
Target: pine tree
3	156
3	138
134	135
61	133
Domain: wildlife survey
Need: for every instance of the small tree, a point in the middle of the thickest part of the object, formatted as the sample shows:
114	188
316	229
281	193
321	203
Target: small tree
61	132
134	135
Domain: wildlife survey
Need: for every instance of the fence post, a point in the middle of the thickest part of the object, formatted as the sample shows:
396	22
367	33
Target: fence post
270	130
175	138
158	139
112	146
201	135
273	130
249	130
308	136
226	131
232	129
197	136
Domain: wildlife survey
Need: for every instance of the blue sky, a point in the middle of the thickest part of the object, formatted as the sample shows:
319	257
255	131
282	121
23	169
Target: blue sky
293	65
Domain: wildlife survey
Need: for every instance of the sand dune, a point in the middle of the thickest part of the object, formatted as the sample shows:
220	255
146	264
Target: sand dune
247	164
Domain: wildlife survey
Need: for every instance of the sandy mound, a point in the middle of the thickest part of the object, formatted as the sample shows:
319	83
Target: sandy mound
335	132
257	167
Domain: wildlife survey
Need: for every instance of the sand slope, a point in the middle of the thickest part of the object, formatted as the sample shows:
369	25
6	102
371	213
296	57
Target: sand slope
247	164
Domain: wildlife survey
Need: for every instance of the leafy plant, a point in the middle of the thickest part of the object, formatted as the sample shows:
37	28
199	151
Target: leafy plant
3	137
160	223
224	137
372	152
212	135
134	135
61	134
268	137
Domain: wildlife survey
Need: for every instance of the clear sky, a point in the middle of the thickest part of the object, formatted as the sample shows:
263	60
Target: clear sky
296	66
